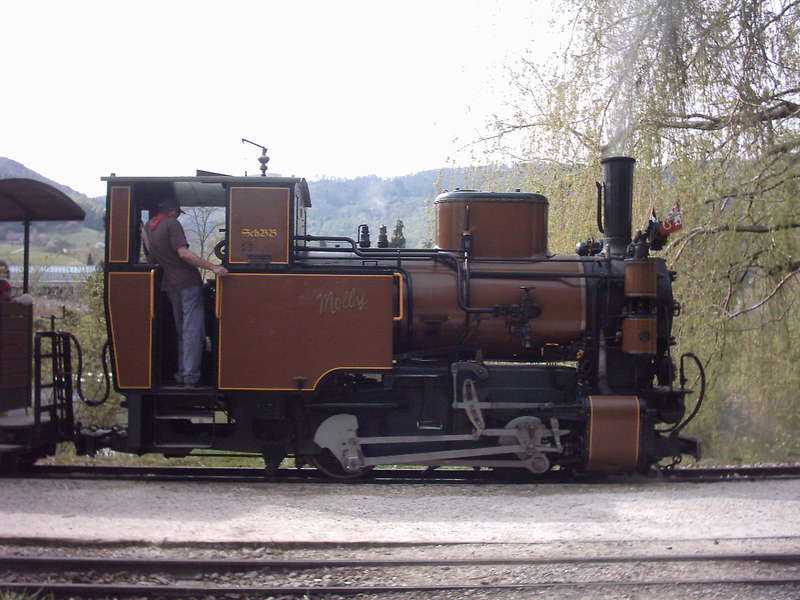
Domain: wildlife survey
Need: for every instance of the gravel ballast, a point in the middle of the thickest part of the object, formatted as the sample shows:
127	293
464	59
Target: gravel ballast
273	512
150	519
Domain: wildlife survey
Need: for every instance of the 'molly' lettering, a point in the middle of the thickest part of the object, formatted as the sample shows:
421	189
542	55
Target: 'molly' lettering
331	303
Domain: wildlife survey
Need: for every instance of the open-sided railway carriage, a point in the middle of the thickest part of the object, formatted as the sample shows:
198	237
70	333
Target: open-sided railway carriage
35	366
487	351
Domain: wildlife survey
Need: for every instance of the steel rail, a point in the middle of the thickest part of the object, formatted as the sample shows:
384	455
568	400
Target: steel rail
240	474
407	475
94	563
686	474
191	591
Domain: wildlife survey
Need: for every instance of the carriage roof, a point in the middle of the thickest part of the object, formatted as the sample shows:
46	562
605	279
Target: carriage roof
31	200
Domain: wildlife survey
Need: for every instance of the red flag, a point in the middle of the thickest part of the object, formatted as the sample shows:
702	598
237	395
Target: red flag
672	222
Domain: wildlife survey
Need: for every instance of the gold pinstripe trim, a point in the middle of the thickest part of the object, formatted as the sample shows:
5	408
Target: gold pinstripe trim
582	284
400	296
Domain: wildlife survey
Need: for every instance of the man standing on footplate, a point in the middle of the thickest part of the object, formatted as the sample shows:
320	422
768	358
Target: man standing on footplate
166	243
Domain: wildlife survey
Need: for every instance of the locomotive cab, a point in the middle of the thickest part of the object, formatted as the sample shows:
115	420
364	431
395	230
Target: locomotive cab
257	229
272	325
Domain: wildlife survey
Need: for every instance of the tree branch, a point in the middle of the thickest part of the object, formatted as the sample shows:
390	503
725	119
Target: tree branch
735	228
777	17
782	110
784	147
764	300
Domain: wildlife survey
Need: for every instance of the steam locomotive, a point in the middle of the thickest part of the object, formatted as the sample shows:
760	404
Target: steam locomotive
485	351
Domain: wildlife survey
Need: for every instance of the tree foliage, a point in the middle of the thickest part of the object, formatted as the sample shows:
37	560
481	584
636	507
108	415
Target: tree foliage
706	95
86	321
398	239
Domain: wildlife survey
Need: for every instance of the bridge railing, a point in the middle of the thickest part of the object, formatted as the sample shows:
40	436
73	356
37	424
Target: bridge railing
53	275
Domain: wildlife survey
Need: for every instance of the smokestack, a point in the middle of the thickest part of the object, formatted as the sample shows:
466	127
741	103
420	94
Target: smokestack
617	201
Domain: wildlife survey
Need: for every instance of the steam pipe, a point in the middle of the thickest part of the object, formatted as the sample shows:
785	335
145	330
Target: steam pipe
599	207
617	202
374	253
602	368
425	254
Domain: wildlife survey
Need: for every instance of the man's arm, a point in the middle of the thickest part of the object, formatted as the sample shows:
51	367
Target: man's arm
194	260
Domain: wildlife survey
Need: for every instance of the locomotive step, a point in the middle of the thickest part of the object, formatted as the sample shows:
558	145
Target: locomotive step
21	421
185	414
182	446
11	448
183	408
198	417
187	390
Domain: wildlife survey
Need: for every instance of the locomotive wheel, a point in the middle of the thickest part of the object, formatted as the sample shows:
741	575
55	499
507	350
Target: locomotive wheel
512	438
271	466
328	464
521	473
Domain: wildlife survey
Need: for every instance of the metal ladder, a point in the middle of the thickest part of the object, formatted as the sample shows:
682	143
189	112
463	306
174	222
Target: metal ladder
53	349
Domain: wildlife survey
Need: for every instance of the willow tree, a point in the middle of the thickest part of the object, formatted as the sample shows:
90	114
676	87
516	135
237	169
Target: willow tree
706	96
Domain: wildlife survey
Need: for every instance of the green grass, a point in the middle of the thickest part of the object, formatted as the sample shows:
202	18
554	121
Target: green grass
12	255
81	242
24	596
84	237
66	455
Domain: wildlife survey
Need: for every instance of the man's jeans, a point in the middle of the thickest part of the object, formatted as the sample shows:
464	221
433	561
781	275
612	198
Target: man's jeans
187	309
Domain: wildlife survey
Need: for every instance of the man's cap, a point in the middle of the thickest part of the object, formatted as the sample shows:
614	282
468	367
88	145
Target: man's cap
168	204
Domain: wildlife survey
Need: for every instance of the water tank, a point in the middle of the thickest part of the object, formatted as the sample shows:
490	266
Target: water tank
501	225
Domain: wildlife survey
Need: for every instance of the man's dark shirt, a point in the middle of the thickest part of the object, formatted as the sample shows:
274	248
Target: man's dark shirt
165	240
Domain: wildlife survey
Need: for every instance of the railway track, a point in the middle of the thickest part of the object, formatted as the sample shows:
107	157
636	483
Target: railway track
160	577
407	475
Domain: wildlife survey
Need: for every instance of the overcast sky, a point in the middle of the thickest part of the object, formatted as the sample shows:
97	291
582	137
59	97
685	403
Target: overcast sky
332	88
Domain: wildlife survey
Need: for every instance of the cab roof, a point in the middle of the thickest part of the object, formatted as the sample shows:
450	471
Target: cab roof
208	190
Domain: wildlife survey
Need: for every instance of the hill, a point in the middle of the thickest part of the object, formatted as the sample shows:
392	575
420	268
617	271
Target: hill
53	243
339	206
93	207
